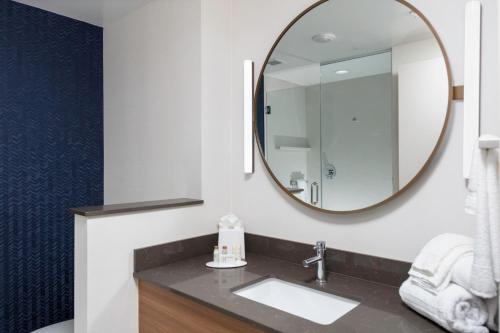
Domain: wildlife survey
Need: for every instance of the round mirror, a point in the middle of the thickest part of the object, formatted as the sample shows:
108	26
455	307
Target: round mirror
352	103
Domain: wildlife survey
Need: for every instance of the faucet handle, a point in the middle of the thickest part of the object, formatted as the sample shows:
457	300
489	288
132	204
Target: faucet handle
320	245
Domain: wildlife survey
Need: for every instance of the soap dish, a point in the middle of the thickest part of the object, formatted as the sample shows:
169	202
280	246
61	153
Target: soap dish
238	263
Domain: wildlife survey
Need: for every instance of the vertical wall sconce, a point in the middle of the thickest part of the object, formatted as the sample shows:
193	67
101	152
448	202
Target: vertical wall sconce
472	82
248	116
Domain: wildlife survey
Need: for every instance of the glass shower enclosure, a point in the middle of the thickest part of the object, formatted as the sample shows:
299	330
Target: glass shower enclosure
329	131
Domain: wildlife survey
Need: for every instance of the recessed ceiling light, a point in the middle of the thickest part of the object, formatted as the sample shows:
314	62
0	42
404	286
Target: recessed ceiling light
324	37
342	72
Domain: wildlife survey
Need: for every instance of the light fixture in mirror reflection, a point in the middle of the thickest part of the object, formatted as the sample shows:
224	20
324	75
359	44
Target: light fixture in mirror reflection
352	103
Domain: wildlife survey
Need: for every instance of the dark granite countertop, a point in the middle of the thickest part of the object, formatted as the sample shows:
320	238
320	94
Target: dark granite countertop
134	207
381	309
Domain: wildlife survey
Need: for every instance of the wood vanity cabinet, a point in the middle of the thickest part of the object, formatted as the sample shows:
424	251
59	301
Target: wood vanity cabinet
162	311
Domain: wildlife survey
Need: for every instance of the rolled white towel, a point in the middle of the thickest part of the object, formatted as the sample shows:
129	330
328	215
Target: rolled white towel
433	266
492	305
454	308
461	275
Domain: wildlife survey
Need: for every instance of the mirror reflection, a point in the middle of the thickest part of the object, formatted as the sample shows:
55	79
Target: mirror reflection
352	103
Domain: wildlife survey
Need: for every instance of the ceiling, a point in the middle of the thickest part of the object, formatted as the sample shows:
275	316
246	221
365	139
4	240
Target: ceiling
314	74
361	27
97	12
359	67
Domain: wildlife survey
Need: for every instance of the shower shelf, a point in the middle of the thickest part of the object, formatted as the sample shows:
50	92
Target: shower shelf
291	143
295	190
290	148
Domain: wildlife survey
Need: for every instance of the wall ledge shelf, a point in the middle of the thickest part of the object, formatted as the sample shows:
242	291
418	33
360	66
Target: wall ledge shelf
95	211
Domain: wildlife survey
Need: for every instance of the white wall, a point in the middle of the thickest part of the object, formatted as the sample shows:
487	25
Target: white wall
421	89
422	105
104	286
273	84
400	228
408	53
152	87
105	291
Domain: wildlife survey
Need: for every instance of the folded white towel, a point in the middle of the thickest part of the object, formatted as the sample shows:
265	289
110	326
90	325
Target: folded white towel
483	200
454	308
461	273
433	266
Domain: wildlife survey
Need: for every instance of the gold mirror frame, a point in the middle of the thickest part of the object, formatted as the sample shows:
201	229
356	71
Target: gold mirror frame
429	159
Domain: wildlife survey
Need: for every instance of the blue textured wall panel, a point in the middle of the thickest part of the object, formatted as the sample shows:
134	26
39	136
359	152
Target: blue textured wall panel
51	158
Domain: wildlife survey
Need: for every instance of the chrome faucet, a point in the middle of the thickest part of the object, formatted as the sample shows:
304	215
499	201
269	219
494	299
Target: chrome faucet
319	259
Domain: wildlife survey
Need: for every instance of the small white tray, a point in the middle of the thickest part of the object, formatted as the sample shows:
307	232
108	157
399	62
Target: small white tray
238	263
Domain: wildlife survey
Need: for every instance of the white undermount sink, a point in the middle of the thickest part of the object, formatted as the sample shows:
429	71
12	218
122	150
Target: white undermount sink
316	306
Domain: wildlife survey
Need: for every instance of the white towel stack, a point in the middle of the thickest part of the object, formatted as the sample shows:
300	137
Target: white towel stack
439	286
433	266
